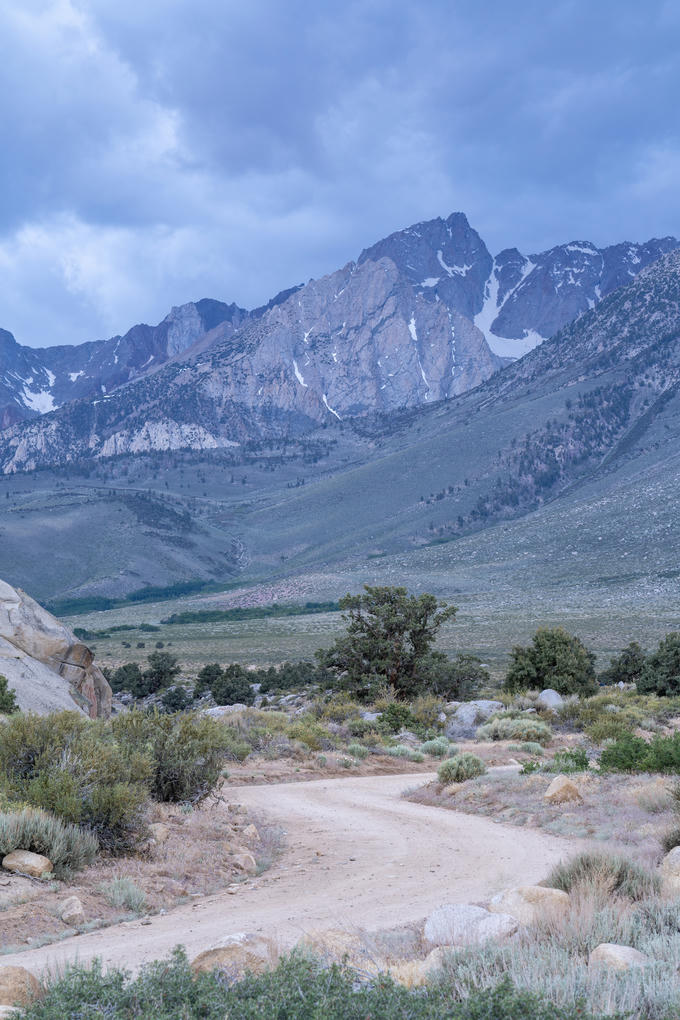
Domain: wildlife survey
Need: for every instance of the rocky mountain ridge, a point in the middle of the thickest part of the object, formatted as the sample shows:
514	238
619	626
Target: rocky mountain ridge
377	335
35	381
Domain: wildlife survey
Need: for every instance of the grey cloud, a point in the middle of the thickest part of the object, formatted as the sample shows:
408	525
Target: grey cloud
168	150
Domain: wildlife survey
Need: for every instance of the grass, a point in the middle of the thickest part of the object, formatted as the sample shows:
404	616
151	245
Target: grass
124	894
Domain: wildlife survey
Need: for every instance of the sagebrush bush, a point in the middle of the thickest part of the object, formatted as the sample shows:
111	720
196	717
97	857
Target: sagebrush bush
439	747
300	988
459	768
525	728
358	751
186	751
620	875
68	847
572	759
124	894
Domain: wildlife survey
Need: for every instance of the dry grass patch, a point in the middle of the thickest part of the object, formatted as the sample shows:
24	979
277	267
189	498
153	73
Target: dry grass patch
615	812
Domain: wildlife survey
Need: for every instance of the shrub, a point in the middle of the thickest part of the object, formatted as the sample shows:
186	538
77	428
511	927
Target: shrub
186	751
124	894
162	670
311	733
127	678
176	699
457	679
532	747
358	751
515	728
8	700
660	673
619	874
625	667
68	847
425	711
397	716
554	659
398	751
568	760
230	686
360	727
300	988
439	747
76	769
459	768
633	754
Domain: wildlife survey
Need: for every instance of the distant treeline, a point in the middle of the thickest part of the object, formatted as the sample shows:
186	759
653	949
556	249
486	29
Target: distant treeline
152	593
251	612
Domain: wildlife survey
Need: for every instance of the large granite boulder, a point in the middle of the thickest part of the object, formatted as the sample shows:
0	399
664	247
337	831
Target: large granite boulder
44	661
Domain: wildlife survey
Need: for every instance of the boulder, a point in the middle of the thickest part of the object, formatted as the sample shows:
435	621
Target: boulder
245	862
71	911
463	924
527	903
371	716
670	872
550	699
562	790
27	863
44	661
467	716
18	985
237	955
219	710
615	957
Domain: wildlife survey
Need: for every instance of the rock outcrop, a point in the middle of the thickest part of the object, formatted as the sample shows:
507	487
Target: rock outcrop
45	663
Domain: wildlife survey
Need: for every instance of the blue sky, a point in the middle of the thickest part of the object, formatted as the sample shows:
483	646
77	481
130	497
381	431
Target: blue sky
159	151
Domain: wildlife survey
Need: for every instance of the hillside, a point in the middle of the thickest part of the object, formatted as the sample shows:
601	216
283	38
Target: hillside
592	412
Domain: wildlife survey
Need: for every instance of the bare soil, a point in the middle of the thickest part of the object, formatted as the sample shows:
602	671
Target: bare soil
619	812
358	855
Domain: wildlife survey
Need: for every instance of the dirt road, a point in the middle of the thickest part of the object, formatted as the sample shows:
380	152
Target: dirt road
357	855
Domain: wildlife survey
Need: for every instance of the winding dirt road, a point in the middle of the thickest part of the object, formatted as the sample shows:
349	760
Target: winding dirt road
356	856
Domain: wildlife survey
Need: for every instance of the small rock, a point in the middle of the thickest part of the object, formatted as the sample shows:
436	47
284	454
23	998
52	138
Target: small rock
251	834
371	716
29	863
18	985
237	955
562	791
463	924
550	699
245	862
615	957
71	911
529	902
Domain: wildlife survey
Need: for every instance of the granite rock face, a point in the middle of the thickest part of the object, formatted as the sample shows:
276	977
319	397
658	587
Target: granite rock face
44	661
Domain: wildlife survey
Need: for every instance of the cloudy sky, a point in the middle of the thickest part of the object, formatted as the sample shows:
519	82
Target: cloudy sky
159	151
